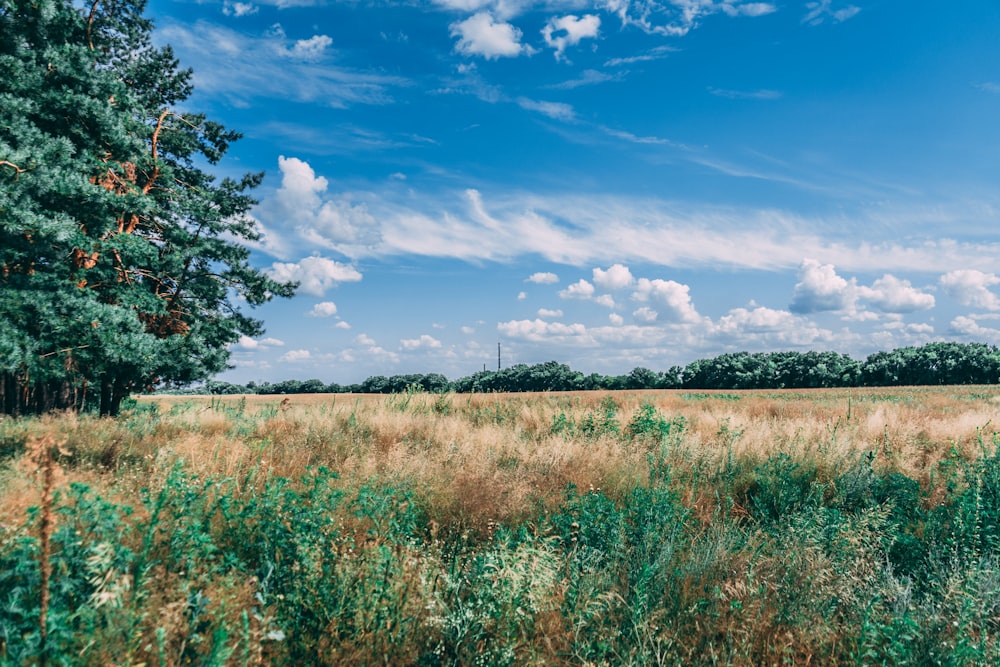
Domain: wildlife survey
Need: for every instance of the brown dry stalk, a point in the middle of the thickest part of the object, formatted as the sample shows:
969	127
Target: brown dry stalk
41	451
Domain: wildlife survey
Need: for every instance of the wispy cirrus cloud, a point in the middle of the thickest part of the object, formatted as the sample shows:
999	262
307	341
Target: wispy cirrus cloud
588	77
244	67
580	229
656	53
823	10
760	94
554	110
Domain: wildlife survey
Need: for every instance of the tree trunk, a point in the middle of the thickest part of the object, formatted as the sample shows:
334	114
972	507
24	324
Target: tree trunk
106	386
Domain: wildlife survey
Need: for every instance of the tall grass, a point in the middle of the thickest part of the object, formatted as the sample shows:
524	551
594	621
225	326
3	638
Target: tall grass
646	528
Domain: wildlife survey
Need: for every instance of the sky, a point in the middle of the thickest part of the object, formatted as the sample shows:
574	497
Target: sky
604	183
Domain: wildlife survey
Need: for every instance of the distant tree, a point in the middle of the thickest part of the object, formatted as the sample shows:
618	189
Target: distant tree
120	255
312	387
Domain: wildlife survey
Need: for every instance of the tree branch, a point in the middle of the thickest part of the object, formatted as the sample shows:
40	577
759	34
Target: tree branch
90	24
17	170
156	140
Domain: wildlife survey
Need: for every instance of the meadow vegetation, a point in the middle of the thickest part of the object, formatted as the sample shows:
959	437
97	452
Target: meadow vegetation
821	527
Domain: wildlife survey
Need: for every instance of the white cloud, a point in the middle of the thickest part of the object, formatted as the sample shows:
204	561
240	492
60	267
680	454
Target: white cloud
608	229
543	278
617	276
323	309
242	67
820	289
970	328
589	77
341	325
768	327
822	10
561	32
748	8
645	314
468	331
310	50
482	35
581	289
616	319
892	295
971	288
540	330
333	223
545	312
295	355
464	5
605	300
678	17
364	339
656	53
247	343
672	294
238	9
762	94
425	342
521	296
554	110
316	275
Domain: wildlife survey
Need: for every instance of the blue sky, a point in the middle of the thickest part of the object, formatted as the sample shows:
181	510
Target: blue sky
607	183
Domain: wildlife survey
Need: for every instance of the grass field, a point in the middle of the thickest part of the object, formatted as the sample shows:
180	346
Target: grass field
821	527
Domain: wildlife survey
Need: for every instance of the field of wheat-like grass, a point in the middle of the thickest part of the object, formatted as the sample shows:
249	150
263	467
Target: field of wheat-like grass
821	527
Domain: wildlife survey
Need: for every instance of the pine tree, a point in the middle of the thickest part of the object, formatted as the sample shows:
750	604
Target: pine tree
120	261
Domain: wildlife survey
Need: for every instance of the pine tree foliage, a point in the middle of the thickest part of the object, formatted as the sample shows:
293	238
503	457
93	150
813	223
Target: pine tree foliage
120	258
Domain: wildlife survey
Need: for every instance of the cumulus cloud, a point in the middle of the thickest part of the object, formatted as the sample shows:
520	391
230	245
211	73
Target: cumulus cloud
482	35
767	326
615	277
972	288
819	289
342	325
310	50
581	289
564	31
967	326
467	330
892	295
295	355
247	343
539	330
543	278
238	9
645	314
323	309
425	342
616	319
678	17
675	296
545	312
334	223
315	275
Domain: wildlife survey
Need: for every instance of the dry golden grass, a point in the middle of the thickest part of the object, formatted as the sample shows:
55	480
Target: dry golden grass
480	459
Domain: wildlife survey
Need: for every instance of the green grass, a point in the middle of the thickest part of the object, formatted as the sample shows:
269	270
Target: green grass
168	554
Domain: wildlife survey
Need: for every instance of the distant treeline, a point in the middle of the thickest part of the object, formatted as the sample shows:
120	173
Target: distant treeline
931	364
